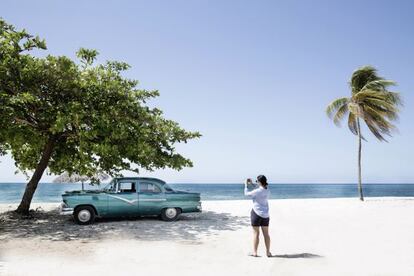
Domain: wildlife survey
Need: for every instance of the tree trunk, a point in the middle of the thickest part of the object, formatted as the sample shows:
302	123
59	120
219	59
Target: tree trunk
361	196
37	175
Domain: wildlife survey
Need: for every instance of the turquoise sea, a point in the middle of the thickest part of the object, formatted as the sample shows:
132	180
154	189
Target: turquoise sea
50	192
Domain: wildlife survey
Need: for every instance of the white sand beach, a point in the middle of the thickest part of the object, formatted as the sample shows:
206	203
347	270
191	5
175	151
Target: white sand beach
309	237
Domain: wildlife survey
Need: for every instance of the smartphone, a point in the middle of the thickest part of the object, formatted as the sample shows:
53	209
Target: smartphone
250	184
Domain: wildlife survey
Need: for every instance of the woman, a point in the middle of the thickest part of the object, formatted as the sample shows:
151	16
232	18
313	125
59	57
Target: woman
260	213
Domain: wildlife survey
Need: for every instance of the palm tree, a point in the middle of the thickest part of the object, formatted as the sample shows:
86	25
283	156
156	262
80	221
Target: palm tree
371	102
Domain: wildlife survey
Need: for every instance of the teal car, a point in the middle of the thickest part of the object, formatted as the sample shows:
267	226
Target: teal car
129	197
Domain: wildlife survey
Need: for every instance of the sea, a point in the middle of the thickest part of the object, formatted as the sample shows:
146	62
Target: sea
51	192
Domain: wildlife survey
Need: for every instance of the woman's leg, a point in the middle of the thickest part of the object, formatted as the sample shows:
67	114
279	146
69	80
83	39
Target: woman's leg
265	230
256	234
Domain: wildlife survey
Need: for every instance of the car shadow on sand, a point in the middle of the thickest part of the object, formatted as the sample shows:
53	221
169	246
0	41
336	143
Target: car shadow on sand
50	225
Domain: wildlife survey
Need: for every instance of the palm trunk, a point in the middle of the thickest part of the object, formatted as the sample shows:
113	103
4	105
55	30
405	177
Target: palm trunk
361	196
37	175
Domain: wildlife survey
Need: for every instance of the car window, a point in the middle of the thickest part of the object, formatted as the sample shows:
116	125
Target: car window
126	187
111	187
148	187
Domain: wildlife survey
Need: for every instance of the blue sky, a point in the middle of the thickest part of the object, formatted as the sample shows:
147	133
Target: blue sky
254	77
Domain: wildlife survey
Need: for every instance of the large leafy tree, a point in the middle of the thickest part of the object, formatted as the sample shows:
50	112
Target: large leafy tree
371	102
77	117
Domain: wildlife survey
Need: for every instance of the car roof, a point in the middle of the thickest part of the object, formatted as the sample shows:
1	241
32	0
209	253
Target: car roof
143	178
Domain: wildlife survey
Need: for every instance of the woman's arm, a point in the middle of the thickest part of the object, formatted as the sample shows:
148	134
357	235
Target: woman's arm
247	192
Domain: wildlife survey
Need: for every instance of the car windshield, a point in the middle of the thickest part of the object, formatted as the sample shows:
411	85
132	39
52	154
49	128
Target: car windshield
110	187
168	188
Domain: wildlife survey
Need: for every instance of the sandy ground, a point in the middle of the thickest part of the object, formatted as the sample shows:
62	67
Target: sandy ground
309	237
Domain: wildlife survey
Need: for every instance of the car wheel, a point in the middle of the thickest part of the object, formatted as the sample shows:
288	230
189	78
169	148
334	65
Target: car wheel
84	215
170	214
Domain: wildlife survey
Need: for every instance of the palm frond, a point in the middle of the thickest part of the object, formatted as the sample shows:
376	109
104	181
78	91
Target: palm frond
377	118
386	96
380	104
368	93
383	102
362	76
380	85
334	106
378	125
394	98
384	108
352	123
374	130
340	114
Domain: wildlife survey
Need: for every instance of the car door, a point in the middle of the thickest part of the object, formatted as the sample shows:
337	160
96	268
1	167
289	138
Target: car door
123	200
151	198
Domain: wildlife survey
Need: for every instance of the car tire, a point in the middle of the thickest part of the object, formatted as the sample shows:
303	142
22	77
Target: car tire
170	214
84	215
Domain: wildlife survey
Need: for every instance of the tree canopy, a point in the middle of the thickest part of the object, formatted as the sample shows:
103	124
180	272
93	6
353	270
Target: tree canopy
79	117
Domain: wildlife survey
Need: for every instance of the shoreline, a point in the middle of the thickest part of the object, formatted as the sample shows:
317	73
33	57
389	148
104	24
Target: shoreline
328	236
235	183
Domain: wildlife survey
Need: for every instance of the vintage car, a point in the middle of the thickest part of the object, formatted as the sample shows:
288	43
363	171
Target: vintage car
130	197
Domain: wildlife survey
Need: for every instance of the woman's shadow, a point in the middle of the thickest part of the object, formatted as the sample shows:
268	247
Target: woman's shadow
299	255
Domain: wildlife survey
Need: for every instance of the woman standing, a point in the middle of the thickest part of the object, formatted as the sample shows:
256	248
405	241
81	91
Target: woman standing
260	213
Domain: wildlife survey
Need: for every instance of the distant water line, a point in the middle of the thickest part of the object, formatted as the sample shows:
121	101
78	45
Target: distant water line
50	192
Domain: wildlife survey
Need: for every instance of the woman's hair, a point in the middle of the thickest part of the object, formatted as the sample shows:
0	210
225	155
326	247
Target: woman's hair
262	180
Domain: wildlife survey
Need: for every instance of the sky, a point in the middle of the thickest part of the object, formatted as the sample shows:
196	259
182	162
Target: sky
254	77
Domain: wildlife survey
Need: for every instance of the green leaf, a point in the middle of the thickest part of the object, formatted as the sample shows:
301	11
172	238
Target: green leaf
333	107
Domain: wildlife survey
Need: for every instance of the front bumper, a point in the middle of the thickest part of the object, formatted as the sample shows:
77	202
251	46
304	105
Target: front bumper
65	209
